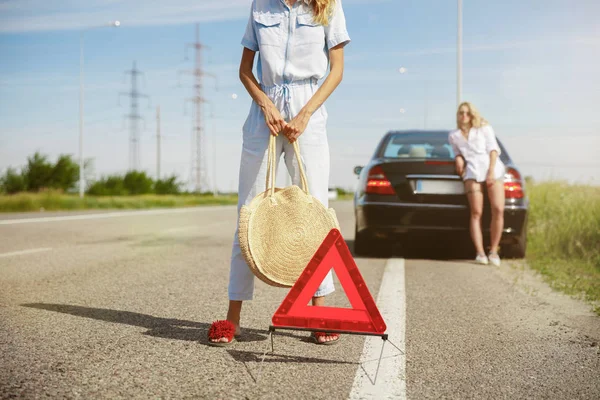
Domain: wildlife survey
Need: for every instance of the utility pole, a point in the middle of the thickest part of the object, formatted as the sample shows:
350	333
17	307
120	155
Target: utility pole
459	51
198	176
134	118
157	142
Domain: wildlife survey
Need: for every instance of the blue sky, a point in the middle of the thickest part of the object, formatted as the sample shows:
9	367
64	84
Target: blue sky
530	66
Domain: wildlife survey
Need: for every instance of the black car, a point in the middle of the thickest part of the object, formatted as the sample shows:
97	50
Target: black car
410	190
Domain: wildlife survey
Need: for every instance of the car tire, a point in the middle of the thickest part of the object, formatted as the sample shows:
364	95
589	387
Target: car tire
366	245
517	250
363	244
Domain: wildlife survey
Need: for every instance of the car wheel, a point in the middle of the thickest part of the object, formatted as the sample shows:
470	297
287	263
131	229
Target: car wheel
363	244
366	245
517	250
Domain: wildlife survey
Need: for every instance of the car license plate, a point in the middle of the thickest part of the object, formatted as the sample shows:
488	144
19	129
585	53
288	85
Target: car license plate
431	186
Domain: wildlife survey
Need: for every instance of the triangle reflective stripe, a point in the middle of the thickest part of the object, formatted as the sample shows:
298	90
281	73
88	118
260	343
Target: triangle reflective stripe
363	317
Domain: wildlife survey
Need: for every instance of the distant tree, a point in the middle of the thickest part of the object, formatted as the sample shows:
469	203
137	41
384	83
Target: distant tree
38	172
167	186
109	186
137	182
12	182
65	173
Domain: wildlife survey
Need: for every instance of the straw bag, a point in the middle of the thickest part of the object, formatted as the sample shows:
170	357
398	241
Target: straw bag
281	229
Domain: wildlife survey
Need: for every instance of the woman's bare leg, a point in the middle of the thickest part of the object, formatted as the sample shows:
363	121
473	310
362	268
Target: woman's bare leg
475	197
496	195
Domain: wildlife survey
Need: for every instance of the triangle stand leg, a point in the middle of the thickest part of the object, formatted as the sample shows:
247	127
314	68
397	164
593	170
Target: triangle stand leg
262	361
379	362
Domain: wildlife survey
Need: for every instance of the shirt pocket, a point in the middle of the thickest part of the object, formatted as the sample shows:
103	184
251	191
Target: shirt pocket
478	142
308	31
268	28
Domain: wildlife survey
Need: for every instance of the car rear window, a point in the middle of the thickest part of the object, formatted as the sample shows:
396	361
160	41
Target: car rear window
426	145
419	145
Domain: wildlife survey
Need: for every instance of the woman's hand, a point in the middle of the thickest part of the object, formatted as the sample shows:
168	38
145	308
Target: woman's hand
490	179
273	118
297	126
460	166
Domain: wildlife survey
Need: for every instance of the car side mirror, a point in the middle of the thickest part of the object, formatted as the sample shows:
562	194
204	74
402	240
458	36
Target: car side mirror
358	170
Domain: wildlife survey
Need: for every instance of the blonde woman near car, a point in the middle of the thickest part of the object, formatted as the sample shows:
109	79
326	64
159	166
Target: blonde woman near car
477	160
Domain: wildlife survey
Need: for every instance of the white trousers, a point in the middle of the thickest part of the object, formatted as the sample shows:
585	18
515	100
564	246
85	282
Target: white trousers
314	150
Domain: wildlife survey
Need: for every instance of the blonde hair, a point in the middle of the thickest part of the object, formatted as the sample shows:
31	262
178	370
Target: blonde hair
477	121
322	11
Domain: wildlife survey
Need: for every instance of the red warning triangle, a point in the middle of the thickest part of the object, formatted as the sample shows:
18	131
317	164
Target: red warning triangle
363	317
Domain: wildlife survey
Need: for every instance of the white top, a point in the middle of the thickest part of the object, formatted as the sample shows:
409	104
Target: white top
292	47
476	152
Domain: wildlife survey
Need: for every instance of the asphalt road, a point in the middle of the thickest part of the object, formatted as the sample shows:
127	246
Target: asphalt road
117	305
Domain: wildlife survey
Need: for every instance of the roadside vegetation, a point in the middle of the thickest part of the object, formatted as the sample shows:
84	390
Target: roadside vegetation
564	237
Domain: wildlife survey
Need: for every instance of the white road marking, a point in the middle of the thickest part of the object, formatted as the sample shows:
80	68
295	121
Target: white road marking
198	227
24	252
391	381
108	215
181	229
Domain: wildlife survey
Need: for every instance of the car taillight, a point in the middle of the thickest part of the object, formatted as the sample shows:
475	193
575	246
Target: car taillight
378	183
513	185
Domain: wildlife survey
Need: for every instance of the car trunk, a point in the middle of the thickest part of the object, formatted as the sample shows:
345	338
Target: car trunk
425	181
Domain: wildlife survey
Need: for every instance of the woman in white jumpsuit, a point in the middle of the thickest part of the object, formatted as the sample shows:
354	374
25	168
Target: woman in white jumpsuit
296	41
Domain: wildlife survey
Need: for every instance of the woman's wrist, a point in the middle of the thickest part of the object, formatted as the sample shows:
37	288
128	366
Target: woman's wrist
263	104
305	113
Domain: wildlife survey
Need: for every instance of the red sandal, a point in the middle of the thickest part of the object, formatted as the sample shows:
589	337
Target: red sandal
315	336
219	330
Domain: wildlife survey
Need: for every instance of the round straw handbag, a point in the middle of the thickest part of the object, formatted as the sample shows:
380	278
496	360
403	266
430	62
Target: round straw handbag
281	229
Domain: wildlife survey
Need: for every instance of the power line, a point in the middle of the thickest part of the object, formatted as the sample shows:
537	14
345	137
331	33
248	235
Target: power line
198	175
134	118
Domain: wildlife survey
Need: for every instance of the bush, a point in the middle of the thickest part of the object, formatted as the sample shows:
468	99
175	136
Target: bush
108	186
133	183
167	186
65	173
137	182
12	182
38	173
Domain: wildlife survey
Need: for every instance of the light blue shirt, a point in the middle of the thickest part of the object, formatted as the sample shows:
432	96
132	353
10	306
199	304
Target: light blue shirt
292	47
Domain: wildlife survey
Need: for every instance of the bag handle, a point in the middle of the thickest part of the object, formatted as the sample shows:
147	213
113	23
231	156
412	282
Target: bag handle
272	166
303	180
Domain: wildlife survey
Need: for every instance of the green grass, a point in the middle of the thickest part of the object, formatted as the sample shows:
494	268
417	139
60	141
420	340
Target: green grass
52	201
564	238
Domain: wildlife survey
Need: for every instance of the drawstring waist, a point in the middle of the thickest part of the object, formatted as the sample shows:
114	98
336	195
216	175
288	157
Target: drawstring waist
283	91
